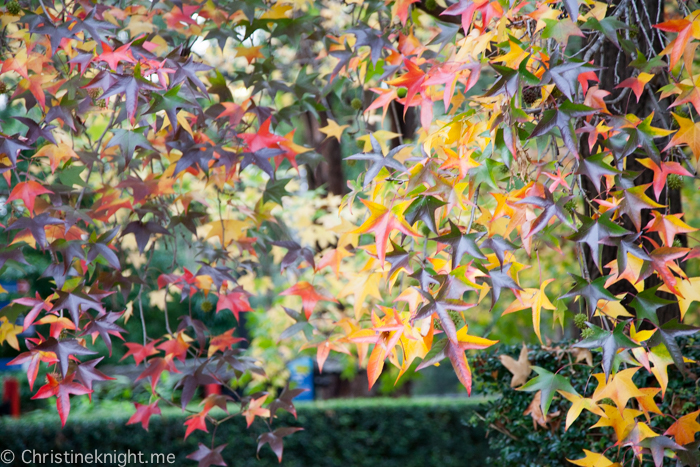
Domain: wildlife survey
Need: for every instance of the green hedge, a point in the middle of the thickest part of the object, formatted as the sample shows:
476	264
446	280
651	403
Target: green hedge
369	432
515	443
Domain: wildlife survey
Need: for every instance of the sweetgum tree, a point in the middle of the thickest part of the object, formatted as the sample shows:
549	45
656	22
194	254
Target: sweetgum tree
503	144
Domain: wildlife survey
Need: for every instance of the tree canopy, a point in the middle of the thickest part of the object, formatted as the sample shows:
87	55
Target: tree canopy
193	157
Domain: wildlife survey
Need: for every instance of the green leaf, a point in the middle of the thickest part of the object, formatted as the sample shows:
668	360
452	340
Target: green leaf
548	383
275	190
70	176
610	342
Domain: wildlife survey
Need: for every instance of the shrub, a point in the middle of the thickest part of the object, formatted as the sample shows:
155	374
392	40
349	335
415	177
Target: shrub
511	437
362	432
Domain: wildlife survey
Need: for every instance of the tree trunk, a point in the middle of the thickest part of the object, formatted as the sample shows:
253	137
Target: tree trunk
614	64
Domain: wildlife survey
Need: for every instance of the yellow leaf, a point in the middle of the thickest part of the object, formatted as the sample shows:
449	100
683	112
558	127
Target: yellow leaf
690	292
689	133
593	459
620	388
578	403
333	129
536	299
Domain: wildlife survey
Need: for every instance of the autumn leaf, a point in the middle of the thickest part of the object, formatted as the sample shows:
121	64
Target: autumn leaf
62	390
382	222
309	296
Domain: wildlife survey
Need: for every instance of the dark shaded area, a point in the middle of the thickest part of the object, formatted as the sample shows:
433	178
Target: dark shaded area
403	433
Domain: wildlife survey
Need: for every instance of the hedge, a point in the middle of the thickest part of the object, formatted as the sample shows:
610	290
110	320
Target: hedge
513	440
360	432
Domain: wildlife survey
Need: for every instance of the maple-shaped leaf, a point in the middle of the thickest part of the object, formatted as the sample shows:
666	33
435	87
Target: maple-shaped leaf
634	199
562	118
27	192
113	56
594	231
309	296
535	299
76	303
196	422
646	303
501	280
275	190
565	76
461	244
262	139
156	367
143	231
550	209
382	222
662	171
593	459
192	380
236	301
399	258
261	158
206	456
36	304
590	291
520	368
625	245
175	346
255	409
467	9
595	168
140	352
284	401
275	440
455	352
549	383
372	38
294	253
10	146
510	80
32	359
663	263
222	342
62	390
143	413
499	246
561	31
86	372
130	86
187	71
63	350
36	226
685	428
423	208
609	342
95	28
636	84
666	335
441	307
668	226
657	446
608	26
170	102
379	160
105	327
688	133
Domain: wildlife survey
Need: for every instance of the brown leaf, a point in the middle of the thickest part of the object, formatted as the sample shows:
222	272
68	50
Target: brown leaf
520	368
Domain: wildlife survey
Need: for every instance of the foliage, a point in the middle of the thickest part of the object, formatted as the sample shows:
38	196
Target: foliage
393	432
519	435
132	147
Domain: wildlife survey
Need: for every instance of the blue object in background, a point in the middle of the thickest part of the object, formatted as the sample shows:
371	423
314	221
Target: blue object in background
5	367
302	375
11	287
